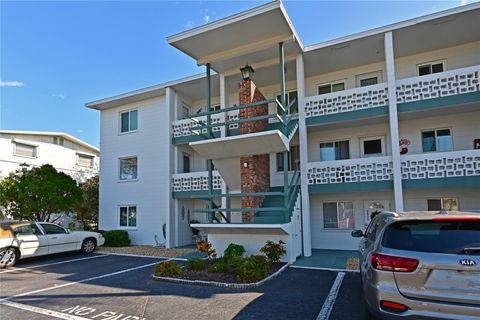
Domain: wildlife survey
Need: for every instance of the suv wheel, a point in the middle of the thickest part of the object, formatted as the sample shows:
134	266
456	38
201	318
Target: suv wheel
89	245
8	257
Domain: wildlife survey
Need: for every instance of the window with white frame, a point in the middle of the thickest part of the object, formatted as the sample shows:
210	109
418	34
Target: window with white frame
335	150
128	121
449	204
58	141
338	215
369	79
85	160
372	147
289	97
293	159
215	108
128	216
437	140
25	150
128	168
331	87
430	67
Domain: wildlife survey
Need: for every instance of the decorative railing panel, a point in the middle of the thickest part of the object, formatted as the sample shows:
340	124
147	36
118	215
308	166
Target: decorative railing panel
347	100
440	84
352	170
441	165
195	181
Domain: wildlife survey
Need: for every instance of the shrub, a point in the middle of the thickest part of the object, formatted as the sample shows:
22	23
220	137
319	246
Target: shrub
167	269
223	265
274	251
196	264
116	238
233	250
205	246
252	269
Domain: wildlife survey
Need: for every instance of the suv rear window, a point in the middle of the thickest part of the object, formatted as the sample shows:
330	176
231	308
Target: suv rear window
443	236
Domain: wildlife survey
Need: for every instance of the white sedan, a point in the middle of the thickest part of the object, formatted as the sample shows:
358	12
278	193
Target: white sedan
23	239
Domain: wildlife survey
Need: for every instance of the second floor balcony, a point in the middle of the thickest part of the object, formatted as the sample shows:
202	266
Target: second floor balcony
458	86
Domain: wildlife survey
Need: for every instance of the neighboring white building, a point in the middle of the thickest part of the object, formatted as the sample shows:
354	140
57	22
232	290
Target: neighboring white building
351	102
28	149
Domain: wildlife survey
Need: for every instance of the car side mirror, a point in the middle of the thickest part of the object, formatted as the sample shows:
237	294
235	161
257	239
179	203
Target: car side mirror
357	234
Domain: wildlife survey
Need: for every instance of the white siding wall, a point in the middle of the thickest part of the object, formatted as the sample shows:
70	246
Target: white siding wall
417	199
150	193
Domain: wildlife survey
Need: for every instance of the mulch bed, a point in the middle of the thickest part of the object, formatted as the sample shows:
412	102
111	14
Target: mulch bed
205	275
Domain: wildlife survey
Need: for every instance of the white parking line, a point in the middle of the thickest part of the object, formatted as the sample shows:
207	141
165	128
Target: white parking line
80	281
53	263
141	256
332	295
51	313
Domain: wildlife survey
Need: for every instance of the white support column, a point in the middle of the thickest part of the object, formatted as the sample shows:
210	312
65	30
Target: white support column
223	104
393	118
302	130
170	102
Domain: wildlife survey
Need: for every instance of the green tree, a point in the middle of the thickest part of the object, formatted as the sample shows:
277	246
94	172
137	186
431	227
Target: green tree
87	210
38	193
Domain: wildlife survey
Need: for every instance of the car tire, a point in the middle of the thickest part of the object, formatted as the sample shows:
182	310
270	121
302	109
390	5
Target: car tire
12	260
89	245
369	315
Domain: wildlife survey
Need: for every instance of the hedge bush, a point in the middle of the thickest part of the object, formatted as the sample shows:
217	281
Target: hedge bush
116	238
233	250
252	269
223	265
196	264
167	269
274	251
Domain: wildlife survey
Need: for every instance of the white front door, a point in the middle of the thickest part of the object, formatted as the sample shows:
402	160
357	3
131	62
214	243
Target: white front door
372	207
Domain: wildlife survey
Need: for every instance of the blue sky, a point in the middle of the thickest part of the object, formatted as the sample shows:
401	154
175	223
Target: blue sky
56	56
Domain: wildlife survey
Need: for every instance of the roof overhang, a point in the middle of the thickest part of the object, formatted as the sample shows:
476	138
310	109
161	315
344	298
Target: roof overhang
250	37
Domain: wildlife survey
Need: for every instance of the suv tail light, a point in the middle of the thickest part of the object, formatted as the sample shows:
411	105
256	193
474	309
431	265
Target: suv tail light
393	306
392	263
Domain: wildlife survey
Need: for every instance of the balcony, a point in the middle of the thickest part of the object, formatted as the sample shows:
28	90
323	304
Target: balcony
194	184
427	170
453	87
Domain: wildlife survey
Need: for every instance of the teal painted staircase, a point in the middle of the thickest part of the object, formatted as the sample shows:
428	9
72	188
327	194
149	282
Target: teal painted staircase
275	201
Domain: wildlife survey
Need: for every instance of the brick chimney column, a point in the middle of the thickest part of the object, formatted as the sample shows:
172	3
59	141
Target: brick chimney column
254	169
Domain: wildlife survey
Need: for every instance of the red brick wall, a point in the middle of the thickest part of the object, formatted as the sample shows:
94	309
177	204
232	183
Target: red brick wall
255	176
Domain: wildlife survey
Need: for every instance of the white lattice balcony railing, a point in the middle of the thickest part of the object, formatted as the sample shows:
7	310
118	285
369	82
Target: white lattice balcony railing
442	84
351	170
183	128
346	100
441	165
195	181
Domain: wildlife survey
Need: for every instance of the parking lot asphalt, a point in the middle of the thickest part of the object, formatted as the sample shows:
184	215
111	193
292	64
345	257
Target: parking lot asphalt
113	287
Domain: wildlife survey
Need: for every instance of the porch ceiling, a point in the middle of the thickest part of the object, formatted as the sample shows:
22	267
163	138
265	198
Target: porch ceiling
246	144
250	37
233	228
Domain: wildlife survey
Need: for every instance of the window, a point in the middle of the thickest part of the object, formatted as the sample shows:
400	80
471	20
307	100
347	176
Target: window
85	160
128	168
429	68
289	97
448	237
331	87
185	111
449	204
437	140
129	121
25	150
58	141
52	229
338	150
293	159
27	230
369	79
372	147
338	215
186	162
215	108
128	216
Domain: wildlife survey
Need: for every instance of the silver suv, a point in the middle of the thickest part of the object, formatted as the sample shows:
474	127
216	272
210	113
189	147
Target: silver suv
421	265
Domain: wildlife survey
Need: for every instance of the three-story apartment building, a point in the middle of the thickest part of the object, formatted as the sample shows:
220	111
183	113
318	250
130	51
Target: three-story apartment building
307	147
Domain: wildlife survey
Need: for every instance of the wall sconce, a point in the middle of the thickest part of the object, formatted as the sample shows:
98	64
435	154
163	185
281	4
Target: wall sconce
247	72
245	164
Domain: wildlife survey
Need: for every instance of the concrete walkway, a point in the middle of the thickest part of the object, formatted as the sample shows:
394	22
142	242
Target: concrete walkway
330	259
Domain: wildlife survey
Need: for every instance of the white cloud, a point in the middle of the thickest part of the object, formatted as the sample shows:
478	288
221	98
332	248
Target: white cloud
58	95
189	24
464	2
11	84
80	131
206	18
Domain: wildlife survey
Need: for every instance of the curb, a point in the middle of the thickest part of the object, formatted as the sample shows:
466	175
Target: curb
223	284
325	269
